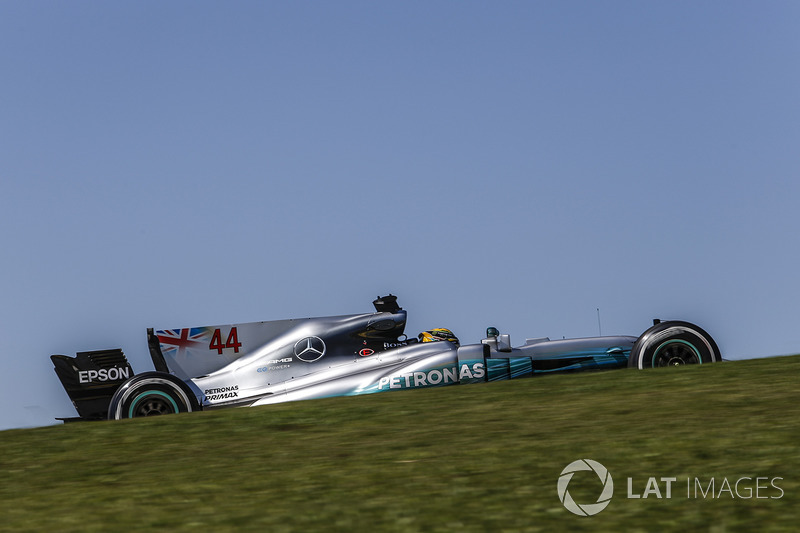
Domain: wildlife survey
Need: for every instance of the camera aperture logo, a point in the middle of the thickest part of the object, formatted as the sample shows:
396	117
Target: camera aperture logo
586	509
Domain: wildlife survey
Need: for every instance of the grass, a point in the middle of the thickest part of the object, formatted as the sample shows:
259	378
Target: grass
464	458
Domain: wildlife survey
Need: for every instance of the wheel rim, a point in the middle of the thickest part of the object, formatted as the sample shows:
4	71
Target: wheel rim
675	353
152	403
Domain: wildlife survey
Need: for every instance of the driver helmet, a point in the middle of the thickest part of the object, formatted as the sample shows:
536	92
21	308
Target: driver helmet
438	334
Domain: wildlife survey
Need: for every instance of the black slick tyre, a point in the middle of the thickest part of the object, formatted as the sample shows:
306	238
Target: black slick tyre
673	343
152	394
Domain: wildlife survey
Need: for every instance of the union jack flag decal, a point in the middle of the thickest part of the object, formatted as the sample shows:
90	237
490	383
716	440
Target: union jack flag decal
175	342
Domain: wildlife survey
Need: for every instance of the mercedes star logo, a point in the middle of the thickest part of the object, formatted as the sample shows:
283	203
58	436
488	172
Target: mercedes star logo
309	349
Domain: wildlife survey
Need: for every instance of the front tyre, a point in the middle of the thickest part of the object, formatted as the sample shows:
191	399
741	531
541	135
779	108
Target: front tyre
673	343
152	394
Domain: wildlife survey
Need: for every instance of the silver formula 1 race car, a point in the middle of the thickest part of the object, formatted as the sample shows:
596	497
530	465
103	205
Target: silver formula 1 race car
260	363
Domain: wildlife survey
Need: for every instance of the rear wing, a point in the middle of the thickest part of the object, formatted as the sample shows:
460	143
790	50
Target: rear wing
91	379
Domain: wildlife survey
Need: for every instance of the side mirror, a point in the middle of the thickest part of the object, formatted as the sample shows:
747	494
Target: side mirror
504	343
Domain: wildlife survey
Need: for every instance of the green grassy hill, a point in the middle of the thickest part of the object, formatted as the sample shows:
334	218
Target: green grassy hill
464	458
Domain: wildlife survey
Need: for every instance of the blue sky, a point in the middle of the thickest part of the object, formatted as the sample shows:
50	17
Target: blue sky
517	164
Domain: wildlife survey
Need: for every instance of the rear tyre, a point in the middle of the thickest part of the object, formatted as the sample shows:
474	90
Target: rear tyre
673	343
152	394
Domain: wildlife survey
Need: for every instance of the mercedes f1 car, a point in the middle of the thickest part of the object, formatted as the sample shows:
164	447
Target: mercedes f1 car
261	363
